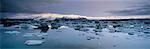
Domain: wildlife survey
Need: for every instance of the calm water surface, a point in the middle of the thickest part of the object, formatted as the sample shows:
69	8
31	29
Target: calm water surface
69	38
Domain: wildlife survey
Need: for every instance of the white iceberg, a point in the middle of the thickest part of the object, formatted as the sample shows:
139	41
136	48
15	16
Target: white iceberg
62	27
12	32
131	26
28	35
41	34
32	26
35	34
110	26
25	26
33	42
49	26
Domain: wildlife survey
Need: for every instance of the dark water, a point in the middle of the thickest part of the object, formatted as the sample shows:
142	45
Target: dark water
80	7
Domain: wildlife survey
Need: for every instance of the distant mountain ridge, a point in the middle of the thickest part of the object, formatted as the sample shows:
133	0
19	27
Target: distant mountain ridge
54	16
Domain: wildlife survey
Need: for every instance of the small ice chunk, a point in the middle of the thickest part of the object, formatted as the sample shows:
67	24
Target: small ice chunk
33	42
142	26
110	26
12	32
32	26
62	27
41	34
16	26
49	26
131	26
28	35
24	26
35	34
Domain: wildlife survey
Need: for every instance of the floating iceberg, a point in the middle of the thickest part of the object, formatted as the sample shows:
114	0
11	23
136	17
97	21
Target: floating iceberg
32	26
131	26
24	26
12	32
62	27
110	26
28	35
35	34
33	42
49	26
41	34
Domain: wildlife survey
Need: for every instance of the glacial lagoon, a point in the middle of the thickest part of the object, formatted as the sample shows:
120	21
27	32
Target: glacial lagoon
77	34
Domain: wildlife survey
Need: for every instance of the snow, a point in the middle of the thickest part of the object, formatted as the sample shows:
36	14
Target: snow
34	42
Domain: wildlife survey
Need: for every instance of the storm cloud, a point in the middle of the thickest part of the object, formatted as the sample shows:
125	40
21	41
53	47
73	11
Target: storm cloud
23	6
79	7
139	8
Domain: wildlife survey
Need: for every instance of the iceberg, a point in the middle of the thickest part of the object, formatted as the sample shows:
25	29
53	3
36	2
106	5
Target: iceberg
62	27
24	26
32	26
35	34
12	32
49	26
131	26
110	26
41	34
33	42
28	35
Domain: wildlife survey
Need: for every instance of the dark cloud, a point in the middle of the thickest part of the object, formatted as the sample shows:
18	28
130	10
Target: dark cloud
141	8
84	7
22	6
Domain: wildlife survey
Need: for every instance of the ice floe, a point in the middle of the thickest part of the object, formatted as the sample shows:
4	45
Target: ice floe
35	34
24	26
33	42
12	32
63	27
49	26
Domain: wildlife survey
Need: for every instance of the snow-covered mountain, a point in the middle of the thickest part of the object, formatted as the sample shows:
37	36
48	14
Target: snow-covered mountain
53	16
42	15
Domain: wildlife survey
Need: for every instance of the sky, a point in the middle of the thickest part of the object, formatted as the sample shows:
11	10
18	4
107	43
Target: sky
78	7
